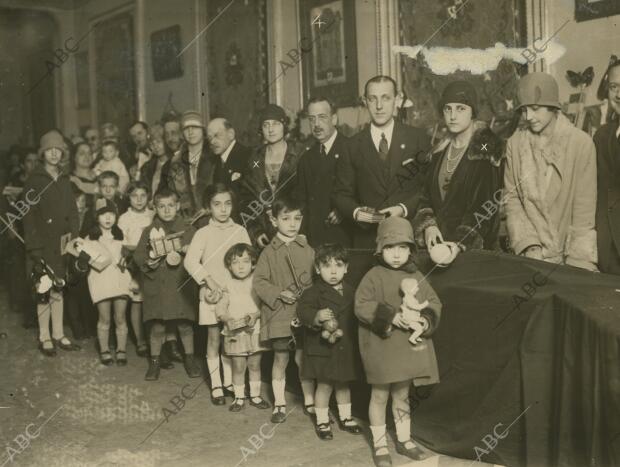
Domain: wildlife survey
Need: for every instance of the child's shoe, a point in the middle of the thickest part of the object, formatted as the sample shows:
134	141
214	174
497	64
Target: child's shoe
142	350
218	400
152	374
237	405
121	358
106	358
279	414
324	431
175	353
381	456
164	359
409	449
350	425
259	403
192	367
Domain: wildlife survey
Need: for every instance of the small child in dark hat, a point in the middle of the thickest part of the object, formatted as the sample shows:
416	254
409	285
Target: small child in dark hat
390	360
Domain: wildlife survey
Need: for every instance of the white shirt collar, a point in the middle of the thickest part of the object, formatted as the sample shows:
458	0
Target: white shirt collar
330	142
225	154
284	238
375	133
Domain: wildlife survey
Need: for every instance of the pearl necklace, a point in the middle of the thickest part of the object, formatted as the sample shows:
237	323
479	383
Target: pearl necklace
456	159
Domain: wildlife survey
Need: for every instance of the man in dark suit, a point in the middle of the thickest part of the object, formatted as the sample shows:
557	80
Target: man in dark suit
607	141
231	158
375	179
316	175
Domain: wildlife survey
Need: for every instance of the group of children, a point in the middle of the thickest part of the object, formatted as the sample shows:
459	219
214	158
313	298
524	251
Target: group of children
289	297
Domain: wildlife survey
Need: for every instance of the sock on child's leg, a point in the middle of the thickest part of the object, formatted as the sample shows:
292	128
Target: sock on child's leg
227	367
57	307
403	430
43	315
254	389
278	386
213	364
239	391
378	436
307	386
322	415
344	411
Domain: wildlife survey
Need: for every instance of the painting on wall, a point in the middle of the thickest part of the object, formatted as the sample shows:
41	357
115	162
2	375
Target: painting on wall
165	48
592	9
328	50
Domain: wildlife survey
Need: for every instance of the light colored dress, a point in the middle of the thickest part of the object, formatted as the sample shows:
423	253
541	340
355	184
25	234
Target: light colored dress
111	282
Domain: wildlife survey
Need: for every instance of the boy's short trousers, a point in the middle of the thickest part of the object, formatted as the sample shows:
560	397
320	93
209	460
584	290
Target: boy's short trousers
288	343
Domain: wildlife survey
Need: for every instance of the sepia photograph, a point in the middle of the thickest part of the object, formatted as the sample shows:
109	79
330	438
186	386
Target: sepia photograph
310	233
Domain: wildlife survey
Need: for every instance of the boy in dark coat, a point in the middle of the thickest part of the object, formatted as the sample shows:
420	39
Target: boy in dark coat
335	364
169	294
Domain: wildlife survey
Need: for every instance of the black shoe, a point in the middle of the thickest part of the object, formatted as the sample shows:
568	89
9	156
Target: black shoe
350	425
260	404
142	350
381	460
69	346
237	405
152	374
106	358
192	367
175	353
307	410
229	391
217	400
414	452
47	352
279	414
324	431
121	358
164	359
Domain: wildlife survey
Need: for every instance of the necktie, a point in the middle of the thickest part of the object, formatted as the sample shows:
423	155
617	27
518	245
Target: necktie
383	148
323	152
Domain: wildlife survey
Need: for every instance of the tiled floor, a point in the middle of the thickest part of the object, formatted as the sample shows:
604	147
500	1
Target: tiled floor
70	410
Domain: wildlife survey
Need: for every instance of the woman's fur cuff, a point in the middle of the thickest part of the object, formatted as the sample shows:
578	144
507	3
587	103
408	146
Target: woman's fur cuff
424	218
382	324
431	317
469	237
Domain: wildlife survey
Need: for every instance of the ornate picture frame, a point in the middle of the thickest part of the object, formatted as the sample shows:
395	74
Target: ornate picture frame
165	48
592	9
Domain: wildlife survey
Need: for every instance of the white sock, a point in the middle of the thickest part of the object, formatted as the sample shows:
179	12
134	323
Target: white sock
254	389
44	314
322	415
227	367
239	391
56	303
344	411
378	436
403	429
213	364
278	386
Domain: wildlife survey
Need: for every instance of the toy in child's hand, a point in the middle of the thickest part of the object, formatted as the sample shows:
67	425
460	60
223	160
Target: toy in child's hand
330	330
162	244
444	253
411	307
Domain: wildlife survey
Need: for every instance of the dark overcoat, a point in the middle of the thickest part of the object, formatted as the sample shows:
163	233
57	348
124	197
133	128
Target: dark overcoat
363	179
169	292
469	213
51	213
323	361
608	199
316	177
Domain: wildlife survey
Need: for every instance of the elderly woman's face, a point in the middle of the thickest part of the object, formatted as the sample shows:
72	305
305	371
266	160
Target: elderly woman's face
83	156
273	131
458	117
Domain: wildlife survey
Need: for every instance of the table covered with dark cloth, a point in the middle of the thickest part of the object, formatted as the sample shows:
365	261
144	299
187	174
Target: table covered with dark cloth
529	363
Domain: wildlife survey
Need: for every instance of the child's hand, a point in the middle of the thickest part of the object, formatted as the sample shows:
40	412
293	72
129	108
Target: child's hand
400	321
323	315
288	297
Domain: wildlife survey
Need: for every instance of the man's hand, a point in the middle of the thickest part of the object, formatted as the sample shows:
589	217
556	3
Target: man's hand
334	217
534	252
395	211
432	236
262	240
288	297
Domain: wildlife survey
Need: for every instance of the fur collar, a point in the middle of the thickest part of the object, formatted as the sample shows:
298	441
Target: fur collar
484	145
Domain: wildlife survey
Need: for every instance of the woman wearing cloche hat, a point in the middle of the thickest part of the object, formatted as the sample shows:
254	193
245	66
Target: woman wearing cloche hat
550	181
465	172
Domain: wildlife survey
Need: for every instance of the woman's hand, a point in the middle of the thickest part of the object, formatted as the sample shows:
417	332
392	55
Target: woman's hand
432	236
288	297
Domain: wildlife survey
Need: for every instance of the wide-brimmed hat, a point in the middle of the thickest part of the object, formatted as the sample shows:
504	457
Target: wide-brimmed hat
392	231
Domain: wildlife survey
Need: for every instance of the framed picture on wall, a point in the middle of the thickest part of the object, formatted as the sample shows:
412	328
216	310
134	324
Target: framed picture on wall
328	50
165	48
592	9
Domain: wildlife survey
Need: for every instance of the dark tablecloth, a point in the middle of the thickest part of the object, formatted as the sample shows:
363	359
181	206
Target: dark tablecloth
529	361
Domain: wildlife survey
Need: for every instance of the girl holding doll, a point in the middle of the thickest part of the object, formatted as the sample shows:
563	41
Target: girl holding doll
239	310
391	361
205	263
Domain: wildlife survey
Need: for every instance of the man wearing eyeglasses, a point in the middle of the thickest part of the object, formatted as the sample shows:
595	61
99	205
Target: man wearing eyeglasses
316	176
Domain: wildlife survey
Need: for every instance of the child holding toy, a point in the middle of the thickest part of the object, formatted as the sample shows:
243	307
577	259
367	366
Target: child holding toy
330	352
132	223
238	310
169	294
390	360
205	263
109	283
283	271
